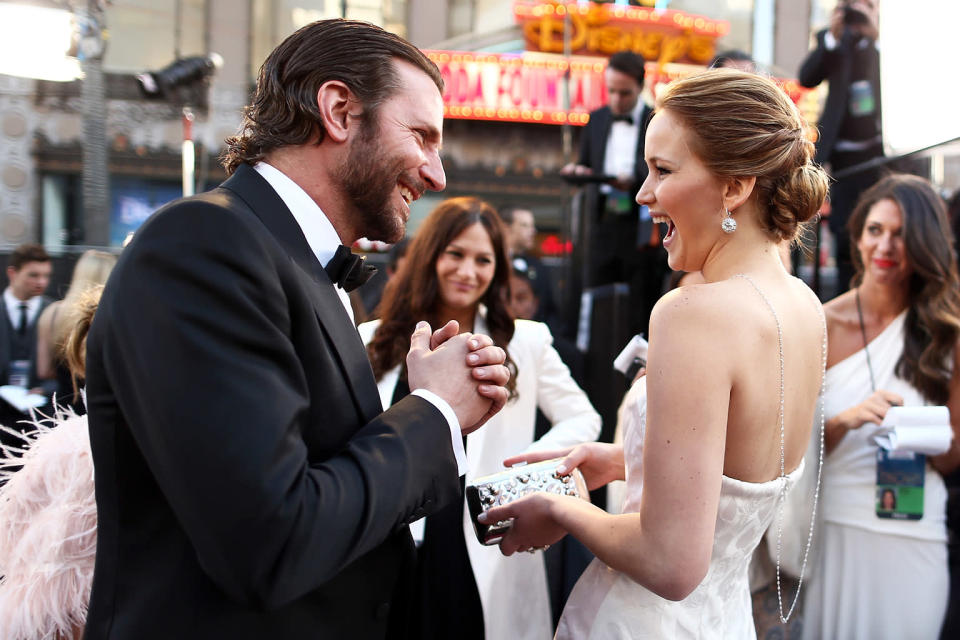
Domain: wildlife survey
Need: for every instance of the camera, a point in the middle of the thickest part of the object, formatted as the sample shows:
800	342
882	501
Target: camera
632	358
853	17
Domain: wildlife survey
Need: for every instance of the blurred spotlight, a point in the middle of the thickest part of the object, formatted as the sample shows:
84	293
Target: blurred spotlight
158	85
37	41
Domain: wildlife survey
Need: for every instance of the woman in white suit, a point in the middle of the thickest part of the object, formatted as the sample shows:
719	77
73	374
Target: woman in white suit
457	269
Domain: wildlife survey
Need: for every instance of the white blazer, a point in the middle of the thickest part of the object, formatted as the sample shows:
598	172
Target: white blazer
513	590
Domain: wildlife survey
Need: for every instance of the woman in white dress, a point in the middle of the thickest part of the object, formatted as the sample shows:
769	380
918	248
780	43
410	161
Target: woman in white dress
733	374
457	269
894	340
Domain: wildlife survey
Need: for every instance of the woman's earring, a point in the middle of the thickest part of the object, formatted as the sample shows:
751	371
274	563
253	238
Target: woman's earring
729	225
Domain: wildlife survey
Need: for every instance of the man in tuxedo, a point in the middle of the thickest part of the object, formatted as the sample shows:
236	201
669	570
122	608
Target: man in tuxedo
850	126
625	243
28	271
521	236
249	483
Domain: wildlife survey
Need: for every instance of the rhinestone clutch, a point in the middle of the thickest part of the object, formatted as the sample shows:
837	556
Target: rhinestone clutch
510	484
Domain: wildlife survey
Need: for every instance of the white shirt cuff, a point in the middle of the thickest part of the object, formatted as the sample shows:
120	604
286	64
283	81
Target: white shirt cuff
456	438
829	41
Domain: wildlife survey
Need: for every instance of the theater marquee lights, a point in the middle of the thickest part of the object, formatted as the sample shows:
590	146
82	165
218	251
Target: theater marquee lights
602	29
524	87
528	87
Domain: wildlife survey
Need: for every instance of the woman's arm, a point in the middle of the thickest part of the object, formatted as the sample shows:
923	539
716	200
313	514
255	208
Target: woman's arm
573	418
949	461
667	546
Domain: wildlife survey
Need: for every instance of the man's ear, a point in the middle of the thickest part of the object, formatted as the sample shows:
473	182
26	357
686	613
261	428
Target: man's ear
337	106
11	273
737	191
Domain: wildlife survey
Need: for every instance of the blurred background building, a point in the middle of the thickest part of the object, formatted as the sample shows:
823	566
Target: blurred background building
131	146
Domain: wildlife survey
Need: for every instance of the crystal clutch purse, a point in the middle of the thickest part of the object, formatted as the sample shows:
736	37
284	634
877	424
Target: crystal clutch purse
510	484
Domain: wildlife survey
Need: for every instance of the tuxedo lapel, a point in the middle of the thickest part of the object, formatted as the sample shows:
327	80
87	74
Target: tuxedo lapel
604	122
5	329
264	202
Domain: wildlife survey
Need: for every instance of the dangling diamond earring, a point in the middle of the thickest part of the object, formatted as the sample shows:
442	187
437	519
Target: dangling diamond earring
729	225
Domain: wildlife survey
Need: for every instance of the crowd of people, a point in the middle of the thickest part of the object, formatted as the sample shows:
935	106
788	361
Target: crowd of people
272	454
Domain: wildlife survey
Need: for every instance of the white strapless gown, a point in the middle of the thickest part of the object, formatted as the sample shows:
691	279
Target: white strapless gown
606	604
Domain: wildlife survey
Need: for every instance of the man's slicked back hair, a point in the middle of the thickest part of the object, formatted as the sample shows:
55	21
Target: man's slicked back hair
284	109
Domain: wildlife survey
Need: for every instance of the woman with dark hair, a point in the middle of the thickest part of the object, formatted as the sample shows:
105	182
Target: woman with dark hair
457	269
893	340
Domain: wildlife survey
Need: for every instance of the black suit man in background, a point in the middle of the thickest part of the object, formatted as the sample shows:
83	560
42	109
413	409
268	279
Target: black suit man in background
846	56
521	236
249	484
28	271
625	244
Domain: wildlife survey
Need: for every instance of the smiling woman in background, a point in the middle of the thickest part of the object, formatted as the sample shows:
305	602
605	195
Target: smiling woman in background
457	269
893	340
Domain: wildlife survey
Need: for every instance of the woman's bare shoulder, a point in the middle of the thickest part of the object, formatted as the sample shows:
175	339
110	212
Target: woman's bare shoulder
693	317
689	305
841	310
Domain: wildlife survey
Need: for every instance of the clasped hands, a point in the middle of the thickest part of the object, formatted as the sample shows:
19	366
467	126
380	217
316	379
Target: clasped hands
466	370
540	519
622	182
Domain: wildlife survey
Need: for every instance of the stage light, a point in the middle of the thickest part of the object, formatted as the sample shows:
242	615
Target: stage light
159	84
36	41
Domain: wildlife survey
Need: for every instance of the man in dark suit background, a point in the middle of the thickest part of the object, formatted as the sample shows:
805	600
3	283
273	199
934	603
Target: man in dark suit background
249	484
28	271
521	236
850	127
625	243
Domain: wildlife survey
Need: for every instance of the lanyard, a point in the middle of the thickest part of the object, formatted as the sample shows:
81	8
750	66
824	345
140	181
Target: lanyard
863	332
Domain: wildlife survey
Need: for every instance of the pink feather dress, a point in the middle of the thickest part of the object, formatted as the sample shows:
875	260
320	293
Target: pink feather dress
48	531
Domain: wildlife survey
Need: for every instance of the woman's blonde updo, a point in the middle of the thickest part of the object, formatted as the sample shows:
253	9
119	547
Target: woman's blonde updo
740	125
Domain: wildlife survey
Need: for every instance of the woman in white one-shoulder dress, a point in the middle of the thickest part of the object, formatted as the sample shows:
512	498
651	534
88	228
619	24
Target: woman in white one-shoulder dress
894	340
734	370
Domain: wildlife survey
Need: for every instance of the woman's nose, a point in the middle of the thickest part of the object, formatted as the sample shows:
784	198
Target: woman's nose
885	243
645	195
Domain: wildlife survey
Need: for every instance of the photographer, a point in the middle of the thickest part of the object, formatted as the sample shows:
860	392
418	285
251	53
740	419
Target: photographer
846	56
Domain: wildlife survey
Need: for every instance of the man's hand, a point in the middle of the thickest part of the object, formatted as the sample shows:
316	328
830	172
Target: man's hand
466	370
574	169
836	21
869	29
623	182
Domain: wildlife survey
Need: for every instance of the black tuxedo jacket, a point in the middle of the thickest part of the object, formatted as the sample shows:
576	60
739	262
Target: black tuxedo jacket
5	355
593	144
837	67
248	483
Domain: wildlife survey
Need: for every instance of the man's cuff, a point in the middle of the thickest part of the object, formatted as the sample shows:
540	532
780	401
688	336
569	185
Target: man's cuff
456	438
829	42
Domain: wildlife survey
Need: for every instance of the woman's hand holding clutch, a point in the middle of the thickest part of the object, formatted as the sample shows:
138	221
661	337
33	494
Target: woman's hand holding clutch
534	525
599	462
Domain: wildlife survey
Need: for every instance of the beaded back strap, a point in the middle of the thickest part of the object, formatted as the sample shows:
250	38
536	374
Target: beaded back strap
783	477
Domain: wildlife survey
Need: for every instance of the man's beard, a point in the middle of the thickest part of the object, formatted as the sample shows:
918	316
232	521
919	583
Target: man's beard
369	181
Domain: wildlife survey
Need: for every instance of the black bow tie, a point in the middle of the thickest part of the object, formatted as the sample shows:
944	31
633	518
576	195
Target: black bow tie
624	118
348	270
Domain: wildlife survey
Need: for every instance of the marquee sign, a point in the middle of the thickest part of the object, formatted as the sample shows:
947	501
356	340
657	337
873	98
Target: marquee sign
662	36
528	87
519	87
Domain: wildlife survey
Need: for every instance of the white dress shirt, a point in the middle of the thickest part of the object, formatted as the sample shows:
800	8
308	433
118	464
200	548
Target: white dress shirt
620	158
13	308
324	241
